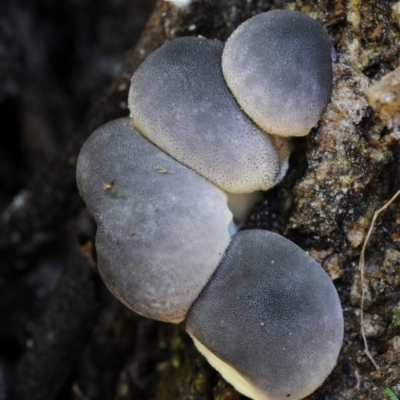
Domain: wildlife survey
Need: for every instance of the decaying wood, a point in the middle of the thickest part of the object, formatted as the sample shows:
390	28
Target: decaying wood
339	175
61	333
53	195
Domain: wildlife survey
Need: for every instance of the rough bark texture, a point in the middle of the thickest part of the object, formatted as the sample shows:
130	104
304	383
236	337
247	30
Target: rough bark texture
339	175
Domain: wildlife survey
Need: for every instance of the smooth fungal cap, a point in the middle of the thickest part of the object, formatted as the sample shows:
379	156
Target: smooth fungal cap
269	319
179	101
161	228
278	66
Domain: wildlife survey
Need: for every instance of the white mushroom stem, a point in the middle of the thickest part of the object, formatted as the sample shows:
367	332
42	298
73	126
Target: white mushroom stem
241	206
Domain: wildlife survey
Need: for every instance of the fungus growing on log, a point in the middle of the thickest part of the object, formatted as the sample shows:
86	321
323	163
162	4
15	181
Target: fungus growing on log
267	315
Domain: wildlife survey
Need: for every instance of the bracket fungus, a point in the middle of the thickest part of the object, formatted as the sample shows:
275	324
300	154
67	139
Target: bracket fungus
285	86
288	311
161	229
180	102
162	187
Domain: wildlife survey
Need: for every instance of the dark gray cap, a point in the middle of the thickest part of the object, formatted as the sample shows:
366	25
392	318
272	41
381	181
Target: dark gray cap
179	100
278	66
161	228
270	318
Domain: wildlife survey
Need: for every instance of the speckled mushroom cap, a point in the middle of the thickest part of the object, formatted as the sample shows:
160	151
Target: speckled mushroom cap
179	100
161	228
278	66
270	319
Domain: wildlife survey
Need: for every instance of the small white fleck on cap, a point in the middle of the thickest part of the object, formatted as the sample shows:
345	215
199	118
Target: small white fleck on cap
180	3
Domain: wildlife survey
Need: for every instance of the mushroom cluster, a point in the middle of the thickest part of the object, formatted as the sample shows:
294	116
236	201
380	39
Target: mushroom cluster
168	188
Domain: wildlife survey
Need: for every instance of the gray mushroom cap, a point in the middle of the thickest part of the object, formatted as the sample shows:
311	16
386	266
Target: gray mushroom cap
269	319
179	100
161	228
278	66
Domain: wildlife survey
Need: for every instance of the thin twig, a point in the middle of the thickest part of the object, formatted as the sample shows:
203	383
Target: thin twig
362	275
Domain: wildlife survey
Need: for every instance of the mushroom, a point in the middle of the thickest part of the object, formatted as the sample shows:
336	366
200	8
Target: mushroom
179	101
161	228
241	205
269	320
278	66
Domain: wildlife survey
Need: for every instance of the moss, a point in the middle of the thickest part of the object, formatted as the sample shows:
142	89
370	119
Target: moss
396	319
389	394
